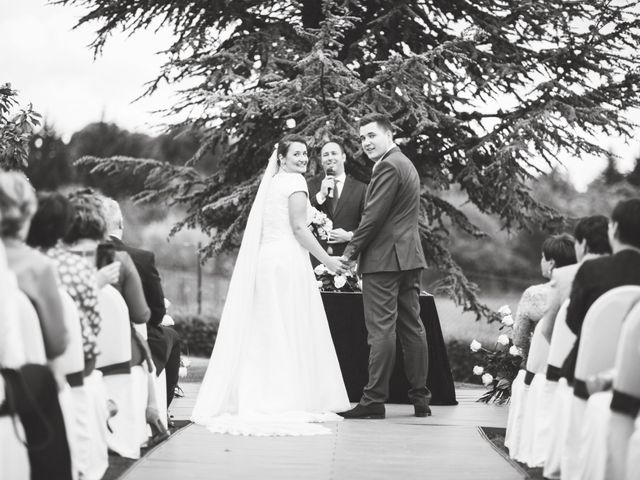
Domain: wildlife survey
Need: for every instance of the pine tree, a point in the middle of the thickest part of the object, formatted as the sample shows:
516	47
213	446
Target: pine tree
483	93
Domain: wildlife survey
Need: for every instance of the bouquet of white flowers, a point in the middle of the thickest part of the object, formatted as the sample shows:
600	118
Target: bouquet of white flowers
330	282
320	225
501	365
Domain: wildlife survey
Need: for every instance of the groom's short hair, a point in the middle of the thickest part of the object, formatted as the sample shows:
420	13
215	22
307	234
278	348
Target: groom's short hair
378	118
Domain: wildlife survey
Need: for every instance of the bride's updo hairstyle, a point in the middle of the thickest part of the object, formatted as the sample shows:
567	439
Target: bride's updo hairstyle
285	143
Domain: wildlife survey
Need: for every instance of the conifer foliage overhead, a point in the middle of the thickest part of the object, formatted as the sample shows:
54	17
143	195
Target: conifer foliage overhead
482	92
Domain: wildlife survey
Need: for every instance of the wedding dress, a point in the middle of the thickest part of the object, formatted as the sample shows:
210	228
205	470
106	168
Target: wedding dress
273	370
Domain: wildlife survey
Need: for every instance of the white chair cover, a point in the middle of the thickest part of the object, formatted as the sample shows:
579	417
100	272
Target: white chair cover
633	452
530	450
123	386
91	398
30	330
71	362
593	449
14	459
626	387
114	339
559	420
129	424
596	353
517	405
554	429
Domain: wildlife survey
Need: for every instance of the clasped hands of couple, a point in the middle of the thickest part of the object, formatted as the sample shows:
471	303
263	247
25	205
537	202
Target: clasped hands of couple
340	265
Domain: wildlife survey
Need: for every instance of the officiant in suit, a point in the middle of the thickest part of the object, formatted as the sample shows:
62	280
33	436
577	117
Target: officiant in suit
391	260
164	342
338	195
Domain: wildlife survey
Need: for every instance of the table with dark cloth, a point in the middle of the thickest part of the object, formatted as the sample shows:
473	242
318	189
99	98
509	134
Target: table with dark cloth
346	321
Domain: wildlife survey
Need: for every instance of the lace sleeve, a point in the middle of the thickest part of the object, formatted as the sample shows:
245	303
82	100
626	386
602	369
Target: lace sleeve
531	309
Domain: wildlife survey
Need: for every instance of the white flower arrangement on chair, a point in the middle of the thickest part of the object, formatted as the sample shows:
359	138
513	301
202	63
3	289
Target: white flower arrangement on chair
499	366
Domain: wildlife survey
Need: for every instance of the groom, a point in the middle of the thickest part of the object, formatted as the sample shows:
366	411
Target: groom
391	262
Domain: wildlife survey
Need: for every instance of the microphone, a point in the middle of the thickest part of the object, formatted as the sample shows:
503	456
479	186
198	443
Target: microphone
330	174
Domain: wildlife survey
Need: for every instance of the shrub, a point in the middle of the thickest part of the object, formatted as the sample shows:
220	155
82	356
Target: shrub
197	333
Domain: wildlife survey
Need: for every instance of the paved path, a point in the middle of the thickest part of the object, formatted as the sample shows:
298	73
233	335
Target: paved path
447	445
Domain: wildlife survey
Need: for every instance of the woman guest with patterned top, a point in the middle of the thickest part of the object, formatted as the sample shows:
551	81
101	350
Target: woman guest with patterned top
77	275
557	251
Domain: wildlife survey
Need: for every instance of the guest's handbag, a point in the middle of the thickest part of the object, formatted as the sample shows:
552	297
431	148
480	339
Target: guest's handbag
31	393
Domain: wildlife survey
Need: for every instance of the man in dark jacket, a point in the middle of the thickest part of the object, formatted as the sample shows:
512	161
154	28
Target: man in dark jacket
338	195
391	261
164	342
600	275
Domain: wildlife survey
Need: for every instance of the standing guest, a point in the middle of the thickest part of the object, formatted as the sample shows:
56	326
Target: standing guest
164	342
557	252
338	195
388	245
600	275
591	241
36	272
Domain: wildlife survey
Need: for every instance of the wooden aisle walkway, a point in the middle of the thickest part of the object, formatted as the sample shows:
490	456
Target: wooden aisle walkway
447	445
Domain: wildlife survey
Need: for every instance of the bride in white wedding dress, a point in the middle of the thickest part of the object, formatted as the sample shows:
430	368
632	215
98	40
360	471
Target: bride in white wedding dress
274	370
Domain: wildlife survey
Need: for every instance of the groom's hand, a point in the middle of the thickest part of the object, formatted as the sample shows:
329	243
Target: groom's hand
347	264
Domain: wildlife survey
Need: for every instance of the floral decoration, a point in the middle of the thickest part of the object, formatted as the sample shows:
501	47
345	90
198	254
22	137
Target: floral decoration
328	281
498	366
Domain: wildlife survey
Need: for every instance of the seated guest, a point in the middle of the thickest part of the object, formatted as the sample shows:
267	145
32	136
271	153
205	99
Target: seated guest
77	275
36	273
592	241
600	275
33	388
163	341
88	228
338	195
557	252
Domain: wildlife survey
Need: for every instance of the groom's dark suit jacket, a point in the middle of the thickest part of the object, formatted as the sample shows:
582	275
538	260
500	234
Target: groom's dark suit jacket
348	210
595	277
388	239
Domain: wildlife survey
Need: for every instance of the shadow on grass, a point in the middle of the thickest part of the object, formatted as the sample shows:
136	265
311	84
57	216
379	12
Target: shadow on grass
495	436
118	465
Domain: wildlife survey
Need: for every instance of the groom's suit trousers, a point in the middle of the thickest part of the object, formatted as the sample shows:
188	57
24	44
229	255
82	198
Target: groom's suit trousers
392	308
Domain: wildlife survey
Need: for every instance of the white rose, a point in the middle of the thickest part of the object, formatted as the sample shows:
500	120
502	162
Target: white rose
182	372
487	379
478	370
340	281
320	269
320	284
503	339
515	351
504	310
507	320
475	346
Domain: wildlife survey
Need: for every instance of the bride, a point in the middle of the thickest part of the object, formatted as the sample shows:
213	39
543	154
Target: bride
274	370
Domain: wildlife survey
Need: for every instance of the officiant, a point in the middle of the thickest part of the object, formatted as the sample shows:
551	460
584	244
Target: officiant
338	195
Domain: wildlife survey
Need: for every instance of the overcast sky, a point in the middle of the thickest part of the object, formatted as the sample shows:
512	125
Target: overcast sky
52	67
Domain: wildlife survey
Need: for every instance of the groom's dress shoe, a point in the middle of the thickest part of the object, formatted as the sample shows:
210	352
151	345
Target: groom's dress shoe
364	411
422	410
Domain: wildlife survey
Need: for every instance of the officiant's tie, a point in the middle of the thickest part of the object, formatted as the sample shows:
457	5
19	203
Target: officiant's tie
333	201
